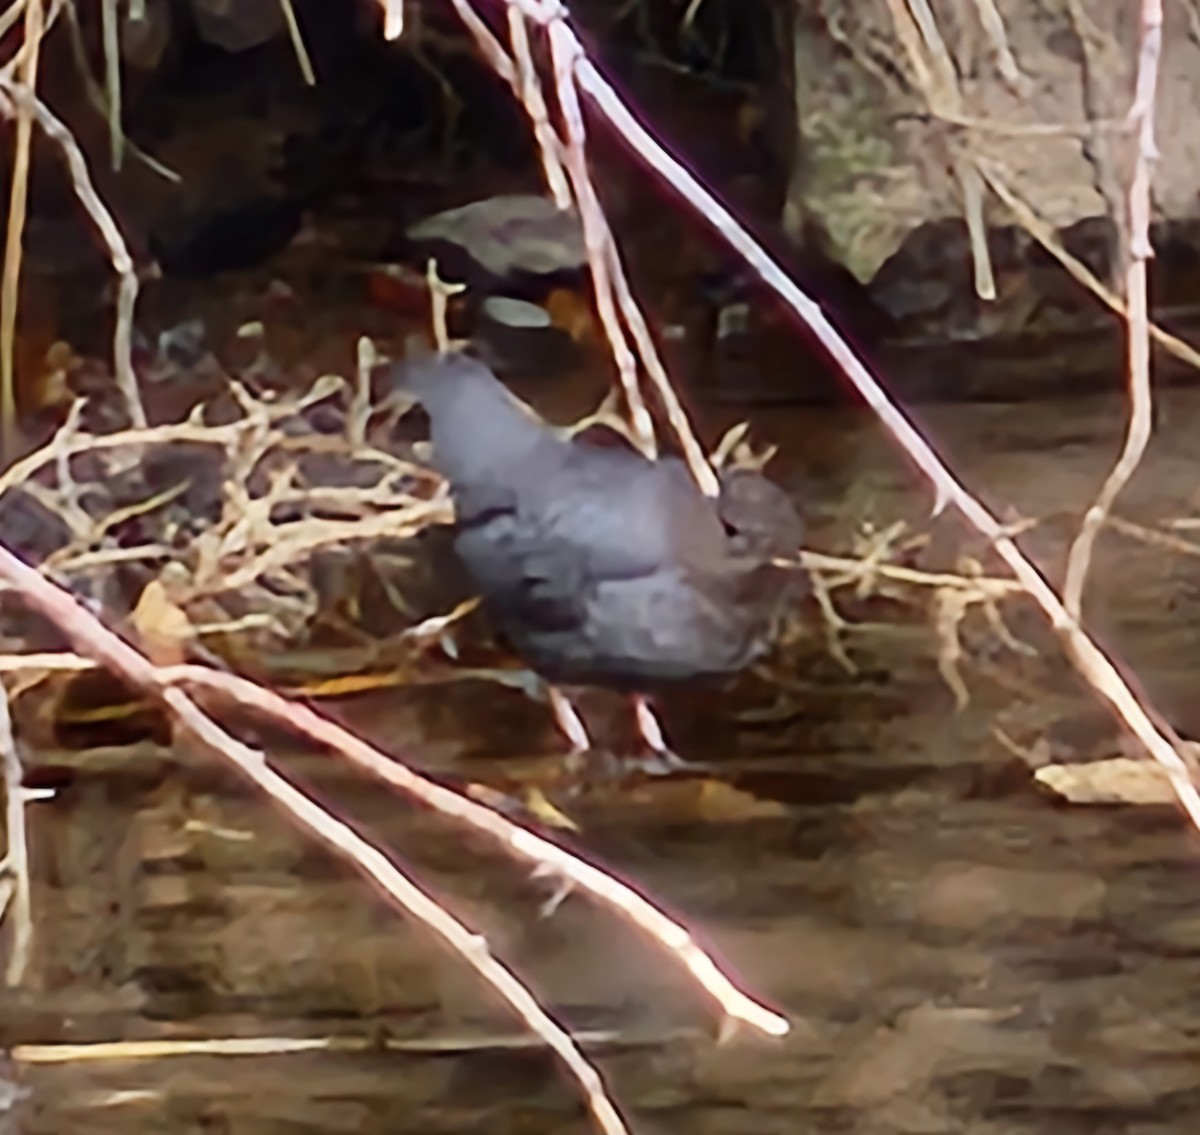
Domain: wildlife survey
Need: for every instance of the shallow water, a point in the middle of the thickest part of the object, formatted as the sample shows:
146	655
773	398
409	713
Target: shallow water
957	952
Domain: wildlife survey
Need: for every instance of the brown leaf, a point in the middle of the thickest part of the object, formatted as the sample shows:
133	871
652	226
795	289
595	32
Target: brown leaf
721	803
1121	780
709	801
162	626
541	808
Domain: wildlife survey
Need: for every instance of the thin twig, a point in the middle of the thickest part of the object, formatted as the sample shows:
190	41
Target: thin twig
491	47
13	65
853	570
111	35
16	860
91	637
18	197
1092	662
603	258
118	252
297	38
566	50
1098	61
970	182
55	660
935	73
440	294
945	89
676	416
520	841
1044	234
1024	129
252	1046
993	26
1141	411
97	98
10	16
596	238
359	413
1156	537
534	103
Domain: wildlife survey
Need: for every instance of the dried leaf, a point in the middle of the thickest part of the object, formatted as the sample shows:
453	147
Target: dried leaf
532	802
1121	780
161	625
707	801
721	803
541	808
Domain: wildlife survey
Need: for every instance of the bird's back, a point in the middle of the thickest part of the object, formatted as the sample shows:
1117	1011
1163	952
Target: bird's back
599	565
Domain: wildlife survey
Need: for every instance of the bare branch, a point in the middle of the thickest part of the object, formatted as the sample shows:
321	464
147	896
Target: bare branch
93	638
516	839
15	865
25	101
1141	411
1095	666
549	145
18	196
297	38
603	257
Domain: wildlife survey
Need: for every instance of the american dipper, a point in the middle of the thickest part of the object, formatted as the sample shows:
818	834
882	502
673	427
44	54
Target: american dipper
599	566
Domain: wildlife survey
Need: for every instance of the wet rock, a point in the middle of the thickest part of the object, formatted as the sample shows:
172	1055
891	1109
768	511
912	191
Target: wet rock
505	237
928	284
877	165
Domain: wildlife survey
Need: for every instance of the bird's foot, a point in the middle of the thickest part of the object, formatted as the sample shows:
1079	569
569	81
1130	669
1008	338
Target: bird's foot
591	767
599	766
661	759
663	762
588	763
576	764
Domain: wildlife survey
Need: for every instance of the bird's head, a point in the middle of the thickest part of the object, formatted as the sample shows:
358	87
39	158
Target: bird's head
759	517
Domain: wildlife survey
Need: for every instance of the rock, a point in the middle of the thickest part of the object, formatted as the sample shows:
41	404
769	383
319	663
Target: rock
521	234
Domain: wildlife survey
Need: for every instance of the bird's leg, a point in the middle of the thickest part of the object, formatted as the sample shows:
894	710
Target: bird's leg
571	725
569	720
652	734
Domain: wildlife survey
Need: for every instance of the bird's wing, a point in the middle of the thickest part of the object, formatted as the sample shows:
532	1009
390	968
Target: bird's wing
628	520
527	574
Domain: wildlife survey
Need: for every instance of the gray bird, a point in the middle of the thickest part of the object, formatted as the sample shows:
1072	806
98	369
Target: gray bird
599	566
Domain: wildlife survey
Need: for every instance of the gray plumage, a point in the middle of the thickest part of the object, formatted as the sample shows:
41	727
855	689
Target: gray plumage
600	566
